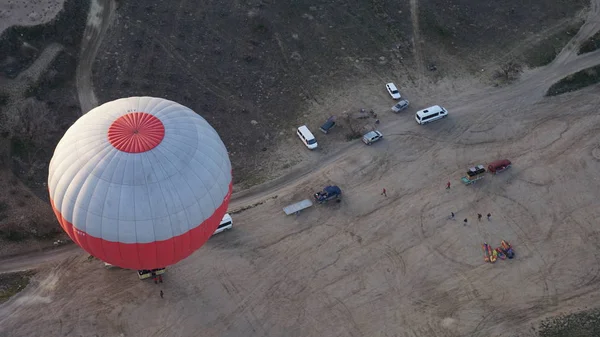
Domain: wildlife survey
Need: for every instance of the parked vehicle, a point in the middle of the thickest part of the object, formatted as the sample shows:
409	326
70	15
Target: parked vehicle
473	174
393	91
431	114
307	137
226	224
371	137
401	105
328	193
328	125
498	166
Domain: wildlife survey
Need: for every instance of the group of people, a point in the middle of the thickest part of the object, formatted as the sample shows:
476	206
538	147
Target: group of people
465	221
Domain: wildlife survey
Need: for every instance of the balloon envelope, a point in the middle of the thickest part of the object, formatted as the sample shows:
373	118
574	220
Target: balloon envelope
140	182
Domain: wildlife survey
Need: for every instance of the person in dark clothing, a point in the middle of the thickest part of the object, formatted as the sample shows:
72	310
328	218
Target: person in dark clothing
160	278
479	216
161	294
489	216
465	222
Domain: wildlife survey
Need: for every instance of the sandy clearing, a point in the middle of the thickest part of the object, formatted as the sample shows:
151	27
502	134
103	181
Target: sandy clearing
374	265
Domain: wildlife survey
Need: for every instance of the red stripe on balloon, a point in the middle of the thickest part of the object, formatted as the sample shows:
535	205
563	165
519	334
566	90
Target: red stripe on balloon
151	255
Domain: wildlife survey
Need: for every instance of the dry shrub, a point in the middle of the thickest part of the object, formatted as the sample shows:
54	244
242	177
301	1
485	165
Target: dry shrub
354	127
28	121
13	232
509	71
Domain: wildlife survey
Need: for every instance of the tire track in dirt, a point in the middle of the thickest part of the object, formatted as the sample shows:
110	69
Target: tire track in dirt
99	18
418	53
435	248
550	296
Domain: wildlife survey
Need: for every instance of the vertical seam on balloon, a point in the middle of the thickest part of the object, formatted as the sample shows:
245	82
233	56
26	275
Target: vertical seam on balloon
168	179
87	239
189	228
198	176
118	218
147	186
205	169
166	149
99	181
134	217
156	149
186	164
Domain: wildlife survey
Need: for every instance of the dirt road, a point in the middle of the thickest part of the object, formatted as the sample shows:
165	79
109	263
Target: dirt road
99	18
375	265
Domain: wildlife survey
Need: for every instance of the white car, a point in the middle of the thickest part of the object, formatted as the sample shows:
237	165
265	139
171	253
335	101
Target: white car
371	137
391	88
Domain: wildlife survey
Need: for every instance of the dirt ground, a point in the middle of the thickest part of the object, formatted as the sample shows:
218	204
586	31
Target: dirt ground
375	265
263	67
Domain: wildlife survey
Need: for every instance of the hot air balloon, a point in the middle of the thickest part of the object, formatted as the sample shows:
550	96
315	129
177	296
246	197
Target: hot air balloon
140	182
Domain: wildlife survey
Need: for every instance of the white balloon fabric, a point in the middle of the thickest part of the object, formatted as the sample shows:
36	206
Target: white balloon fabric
140	182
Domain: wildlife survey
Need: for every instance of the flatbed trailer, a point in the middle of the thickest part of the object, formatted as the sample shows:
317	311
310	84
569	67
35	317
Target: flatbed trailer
471	180
297	207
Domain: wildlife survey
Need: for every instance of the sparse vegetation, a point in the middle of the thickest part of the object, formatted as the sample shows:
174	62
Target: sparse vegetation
509	71
353	127
575	81
546	50
582	324
3	208
13	283
28	123
590	45
13	232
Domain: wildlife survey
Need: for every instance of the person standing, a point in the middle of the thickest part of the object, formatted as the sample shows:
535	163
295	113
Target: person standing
451	215
161	294
479	216
489	216
448	185
384	193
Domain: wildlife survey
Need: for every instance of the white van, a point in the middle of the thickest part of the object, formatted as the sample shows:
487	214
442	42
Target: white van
307	137
430	114
225	224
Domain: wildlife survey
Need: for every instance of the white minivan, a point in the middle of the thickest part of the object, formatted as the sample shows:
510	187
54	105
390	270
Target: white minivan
430	114
393	91
307	137
226	223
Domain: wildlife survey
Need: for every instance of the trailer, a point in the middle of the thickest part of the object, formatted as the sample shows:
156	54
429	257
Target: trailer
474	174
297	207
